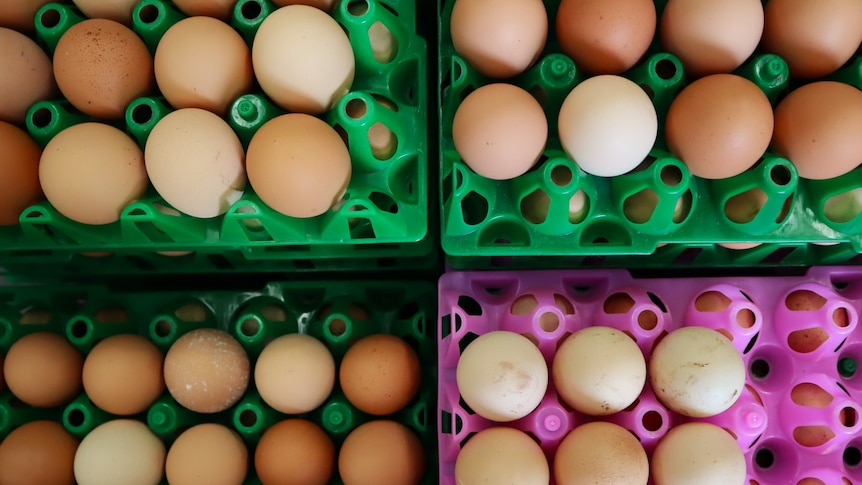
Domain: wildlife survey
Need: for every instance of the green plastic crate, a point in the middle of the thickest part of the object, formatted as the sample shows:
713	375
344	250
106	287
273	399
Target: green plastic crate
387	203
335	312
484	223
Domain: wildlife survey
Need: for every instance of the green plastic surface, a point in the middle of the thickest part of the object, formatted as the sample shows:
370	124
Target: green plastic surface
386	210
586	220
337	313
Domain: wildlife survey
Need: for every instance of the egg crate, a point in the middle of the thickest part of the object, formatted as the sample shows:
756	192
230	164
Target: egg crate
337	313
550	305
625	218
386	204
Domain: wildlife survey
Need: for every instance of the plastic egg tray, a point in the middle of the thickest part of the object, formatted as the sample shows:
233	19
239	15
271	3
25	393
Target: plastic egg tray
757	318
386	204
490	224
337	313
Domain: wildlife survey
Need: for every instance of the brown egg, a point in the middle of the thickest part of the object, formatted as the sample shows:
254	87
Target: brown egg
298	165
499	454
90	172
101	66
295	373
20	14
116	10
294	452
220	9
600	452
815	38
25	77
201	62
381	453
43	370
2	379
325	5
207	453
817	128
605	37
19	185
719	125
699	453
380	374
37	453
207	370
123	374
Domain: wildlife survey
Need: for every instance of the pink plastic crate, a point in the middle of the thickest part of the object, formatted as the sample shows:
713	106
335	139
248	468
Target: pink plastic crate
757	318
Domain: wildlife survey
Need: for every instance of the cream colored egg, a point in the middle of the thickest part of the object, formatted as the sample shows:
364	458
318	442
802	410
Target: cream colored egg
700	453
120	452
295	373
501	455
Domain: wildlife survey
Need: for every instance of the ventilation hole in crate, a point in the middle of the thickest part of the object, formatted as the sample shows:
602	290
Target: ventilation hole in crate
812	436
745	318
383	202
474	209
249	327
639	208
804	300
561	176
50	18
850	417
149	13
807	340
844	207
142	114
337	327
42	118
683	207
445	326
192	312
383	141
647	320
357	8
852	456
579	207
524	305
665	69
35	316
420	325
470	305
687	256
535	206
618	303
79	329
248	418
549	322
759	369
764	458
494	291
743	208
564	304
751	344
657	301
111	315
604	233
358	311
251	10
446	422
844	389
76	417
362	229
711	301
467	340
407	311
356	108
810	395
163	328
841	318
652	421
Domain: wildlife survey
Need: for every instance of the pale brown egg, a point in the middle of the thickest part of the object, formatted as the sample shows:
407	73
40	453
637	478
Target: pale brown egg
295	373
123	374
699	453
220	9
38	452
90	172
20	14
817	128
381	453
201	62
101	66
207	370
43	369
208	453
19	164
298	165
325	5
499	455
25	75
600	452
116	10
380	374
294	452
120	452
605	37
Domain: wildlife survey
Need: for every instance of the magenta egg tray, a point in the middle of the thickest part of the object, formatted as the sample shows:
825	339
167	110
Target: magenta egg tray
770	320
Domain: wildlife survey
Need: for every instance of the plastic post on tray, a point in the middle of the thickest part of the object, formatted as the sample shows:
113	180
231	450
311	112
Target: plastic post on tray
152	18
53	20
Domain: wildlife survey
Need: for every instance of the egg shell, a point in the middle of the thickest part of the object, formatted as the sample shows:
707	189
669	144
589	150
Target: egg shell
325	5
43	369
500	131
302	59
120	452
298	165
380	374
201	62
91	171
26	75
101	66
38	452
123	374
196	162
296	452
381	452
500	39
116	10
600	452
295	373
19	164
501	455
220	9
20	14
699	453
207	453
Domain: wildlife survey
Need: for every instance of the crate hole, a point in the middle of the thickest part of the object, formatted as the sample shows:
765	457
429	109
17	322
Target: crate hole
467	340
549	322
687	256
780	175
35	316
50	18
844	207
407	311
384	45
337	327
362	229
671	175
142	114
76	417
618	303
850	417
841	318
743	208
564	304
111	315
248	418
149	13
474	208
383	202
42	117
535	206
357	8
164	328
383	141
524	305
470	305
778	255
759	369
250	327
356	108
192	312
561	175
79	329
712	301
665	69
764	458
745	318
639	207
657	301
852	456
810	395
647	320
251	10
807	340
652	421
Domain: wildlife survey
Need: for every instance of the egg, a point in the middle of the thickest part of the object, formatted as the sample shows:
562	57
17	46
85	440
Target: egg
817	127
600	452
380	374
298	165
381	452
697	372
101	66
599	371
711	37
26	76
123	374
500	131
120	452
91	171
43	369
207	453
699	453
719	125
502	376
815	38
295	373
206	370
38	452
220	9
605	37
499	38
325	5
303	59
19	164
201	62
501	455
296	452
20	14
196	162
607	125
116	10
